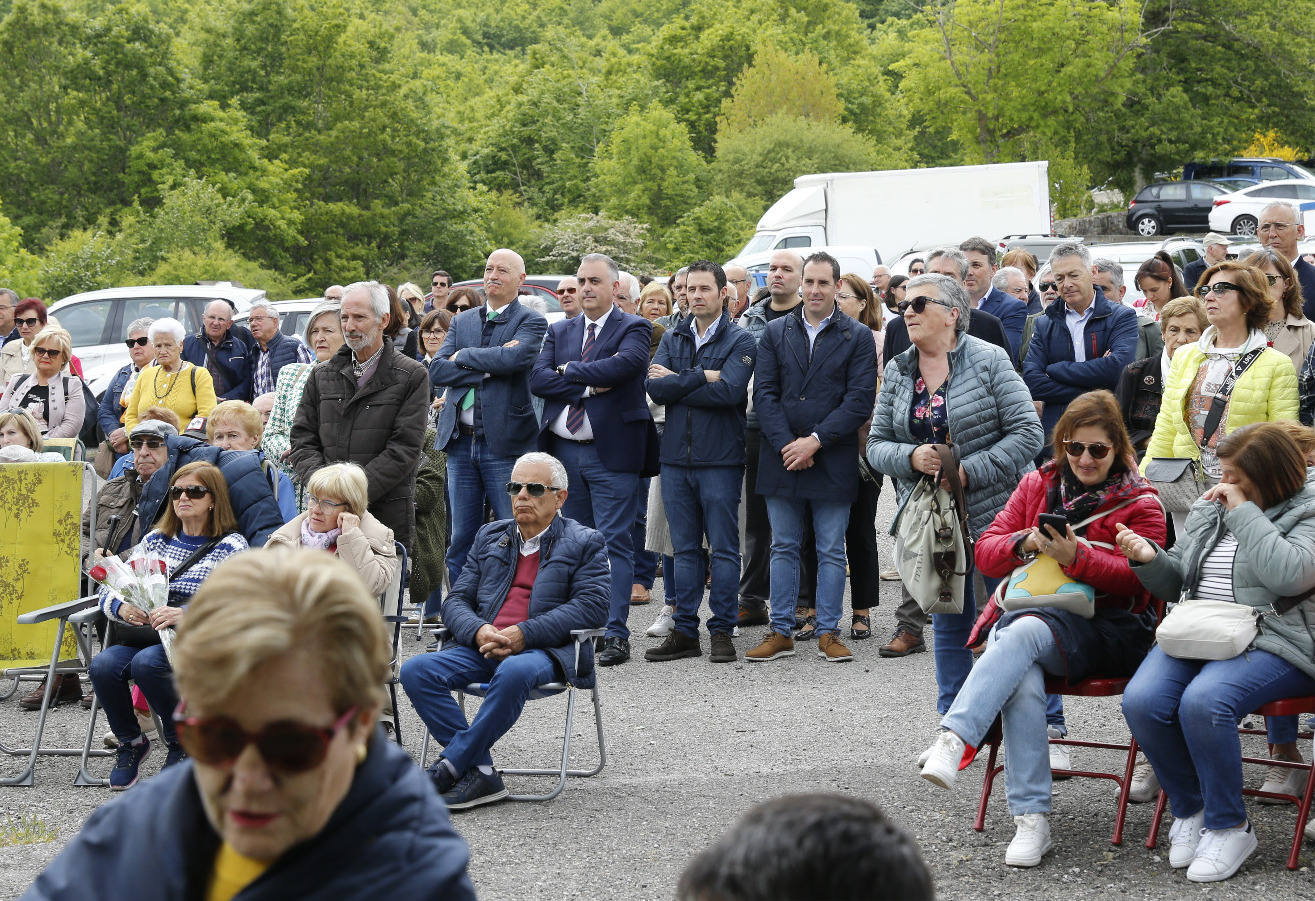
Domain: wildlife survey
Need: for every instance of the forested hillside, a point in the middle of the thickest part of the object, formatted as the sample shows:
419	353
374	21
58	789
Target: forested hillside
293	143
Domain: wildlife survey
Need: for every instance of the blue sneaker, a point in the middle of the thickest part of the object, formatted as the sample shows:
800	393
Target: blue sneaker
127	763
475	788
174	754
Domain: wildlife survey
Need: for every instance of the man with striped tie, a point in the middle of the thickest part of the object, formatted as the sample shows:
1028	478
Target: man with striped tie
590	374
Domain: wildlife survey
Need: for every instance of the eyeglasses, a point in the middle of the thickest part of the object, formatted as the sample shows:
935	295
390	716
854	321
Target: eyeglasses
431	333
1218	288
47	352
1273	279
314	501
286	745
193	492
136	342
738	281
152	443
916	271
919	304
1098	450
536	489
461	308
567	291
26	323
845	295
261	319
1048	286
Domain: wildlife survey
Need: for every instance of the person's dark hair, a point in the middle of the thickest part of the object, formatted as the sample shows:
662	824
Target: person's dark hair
869	315
917	260
707	266
889	297
1292	299
30	305
826	259
1161	266
1252	290
440	272
806	847
1100	410
468	293
1268	456
222	519
980	245
441	319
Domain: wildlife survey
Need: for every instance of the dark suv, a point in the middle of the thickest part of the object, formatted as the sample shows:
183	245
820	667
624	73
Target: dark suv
1167	206
1260	168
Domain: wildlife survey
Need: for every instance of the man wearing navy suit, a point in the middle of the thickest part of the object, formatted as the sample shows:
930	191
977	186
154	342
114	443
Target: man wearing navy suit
487	421
1280	229
590	374
977	281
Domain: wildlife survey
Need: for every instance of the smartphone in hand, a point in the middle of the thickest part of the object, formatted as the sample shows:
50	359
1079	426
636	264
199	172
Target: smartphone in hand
1054	524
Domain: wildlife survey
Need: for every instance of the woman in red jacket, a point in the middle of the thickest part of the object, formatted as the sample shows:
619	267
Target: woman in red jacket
1092	483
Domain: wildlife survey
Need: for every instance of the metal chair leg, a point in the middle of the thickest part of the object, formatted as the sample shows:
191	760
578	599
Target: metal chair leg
1124	787
988	782
84	778
28	776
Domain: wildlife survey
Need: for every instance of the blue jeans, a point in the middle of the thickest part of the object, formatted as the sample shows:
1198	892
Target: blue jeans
606	501
1184	713
953	660
830	520
704	500
645	560
474	475
1010	680
110	672
429	680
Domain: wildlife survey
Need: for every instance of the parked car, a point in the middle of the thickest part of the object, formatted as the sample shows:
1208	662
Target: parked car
1168	206
293	315
542	286
96	319
1038	245
1260	168
1131	254
1238	212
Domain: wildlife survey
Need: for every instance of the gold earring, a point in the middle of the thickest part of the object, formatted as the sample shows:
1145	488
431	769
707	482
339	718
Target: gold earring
361	753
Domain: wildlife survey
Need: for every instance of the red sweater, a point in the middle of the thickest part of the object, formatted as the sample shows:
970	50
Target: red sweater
516	608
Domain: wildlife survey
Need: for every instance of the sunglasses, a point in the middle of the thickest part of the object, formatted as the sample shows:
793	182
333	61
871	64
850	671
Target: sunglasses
536	489
1048	286
288	746
916	271
919	304
195	492
1273	279
1218	288
26	323
461	308
136	342
152	443
48	352
568	290
437	285
1075	449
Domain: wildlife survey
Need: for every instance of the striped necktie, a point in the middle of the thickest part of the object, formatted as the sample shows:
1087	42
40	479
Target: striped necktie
575	418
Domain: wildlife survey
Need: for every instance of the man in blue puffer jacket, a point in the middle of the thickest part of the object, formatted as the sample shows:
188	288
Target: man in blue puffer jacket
528	582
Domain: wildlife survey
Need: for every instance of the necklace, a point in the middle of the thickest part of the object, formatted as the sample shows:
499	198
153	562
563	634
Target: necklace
173	379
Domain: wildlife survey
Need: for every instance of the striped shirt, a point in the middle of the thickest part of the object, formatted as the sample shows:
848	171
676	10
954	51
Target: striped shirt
174	551
1217	571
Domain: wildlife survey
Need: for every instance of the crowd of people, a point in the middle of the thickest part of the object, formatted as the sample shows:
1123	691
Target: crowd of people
541	475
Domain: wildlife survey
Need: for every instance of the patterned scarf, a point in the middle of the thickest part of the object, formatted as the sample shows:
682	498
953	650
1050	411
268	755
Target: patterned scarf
1076	501
325	541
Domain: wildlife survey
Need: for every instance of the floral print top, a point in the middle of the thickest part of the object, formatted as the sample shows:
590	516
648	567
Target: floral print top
929	417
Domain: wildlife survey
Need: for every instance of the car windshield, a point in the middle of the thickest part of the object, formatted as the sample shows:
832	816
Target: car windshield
757	244
1300	171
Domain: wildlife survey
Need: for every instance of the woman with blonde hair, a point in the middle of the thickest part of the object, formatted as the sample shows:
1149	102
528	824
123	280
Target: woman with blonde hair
56	402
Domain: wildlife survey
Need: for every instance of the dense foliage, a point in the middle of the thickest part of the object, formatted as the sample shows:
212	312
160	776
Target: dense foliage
293	143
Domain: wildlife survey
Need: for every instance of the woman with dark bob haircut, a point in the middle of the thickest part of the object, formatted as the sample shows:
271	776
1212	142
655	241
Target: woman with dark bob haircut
1250	540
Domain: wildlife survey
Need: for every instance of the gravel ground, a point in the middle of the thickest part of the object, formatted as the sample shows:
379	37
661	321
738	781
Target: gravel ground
693	745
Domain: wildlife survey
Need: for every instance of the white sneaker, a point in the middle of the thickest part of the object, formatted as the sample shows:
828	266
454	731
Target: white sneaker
1145	784
1060	758
1184	837
1221	853
943	757
1284	781
664	624
1031	840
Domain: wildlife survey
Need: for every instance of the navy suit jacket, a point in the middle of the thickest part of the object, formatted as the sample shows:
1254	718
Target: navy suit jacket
1306	276
622	424
981	324
1012	314
505	412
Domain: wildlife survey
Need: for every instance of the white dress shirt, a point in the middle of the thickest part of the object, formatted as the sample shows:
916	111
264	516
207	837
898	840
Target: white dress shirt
558	426
1077	326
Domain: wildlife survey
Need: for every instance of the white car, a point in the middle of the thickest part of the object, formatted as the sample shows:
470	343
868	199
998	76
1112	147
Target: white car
1238	212
1131	254
98	320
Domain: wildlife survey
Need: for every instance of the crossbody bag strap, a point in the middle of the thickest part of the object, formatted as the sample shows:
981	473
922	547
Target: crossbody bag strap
1220	400
1095	516
196	557
950	472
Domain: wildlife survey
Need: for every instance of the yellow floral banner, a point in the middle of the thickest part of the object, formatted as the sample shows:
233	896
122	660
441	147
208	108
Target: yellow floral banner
40	513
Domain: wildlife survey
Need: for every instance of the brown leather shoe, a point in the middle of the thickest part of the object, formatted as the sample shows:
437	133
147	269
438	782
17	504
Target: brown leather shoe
903	644
831	649
751	615
67	690
773	645
640	595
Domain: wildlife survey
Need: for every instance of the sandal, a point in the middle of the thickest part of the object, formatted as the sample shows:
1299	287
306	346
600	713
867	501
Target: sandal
864	620
809	630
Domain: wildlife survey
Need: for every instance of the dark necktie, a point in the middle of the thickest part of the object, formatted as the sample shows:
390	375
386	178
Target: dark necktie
575	418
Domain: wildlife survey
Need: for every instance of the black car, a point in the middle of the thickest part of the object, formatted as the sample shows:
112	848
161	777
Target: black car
1168	206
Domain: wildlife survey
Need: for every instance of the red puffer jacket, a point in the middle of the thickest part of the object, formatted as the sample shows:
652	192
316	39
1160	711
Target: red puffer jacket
1105	570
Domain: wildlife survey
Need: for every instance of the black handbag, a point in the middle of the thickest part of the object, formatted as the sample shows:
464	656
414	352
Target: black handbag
134	636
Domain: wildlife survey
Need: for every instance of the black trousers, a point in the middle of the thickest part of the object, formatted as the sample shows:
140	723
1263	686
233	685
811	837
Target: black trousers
861	547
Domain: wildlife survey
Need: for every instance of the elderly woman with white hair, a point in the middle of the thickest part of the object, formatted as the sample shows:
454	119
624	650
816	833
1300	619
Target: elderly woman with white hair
172	382
336	520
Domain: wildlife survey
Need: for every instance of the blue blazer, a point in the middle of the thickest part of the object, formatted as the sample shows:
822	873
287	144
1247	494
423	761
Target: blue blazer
832	394
624	434
234	357
1012	314
503	399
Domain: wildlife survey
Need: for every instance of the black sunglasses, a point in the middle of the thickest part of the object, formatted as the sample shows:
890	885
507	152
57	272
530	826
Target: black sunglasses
536	489
919	304
152	443
1217	288
1273	279
195	492
461	308
1047	286
136	342
285	745
1098	451
51	352
27	322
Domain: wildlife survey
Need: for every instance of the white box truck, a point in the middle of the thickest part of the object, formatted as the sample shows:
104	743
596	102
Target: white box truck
898	210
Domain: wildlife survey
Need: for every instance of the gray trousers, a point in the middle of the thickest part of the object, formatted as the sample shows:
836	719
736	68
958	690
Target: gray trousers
909	616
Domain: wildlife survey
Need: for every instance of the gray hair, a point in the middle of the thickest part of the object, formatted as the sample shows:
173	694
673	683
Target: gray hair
377	293
1001	278
13	295
1284	205
535	303
629	284
169	326
602	258
539	458
322	308
266	305
1070	249
954	254
948	290
139	325
1115	270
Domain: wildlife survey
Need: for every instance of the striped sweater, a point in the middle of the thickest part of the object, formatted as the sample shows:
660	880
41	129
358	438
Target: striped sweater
174	551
